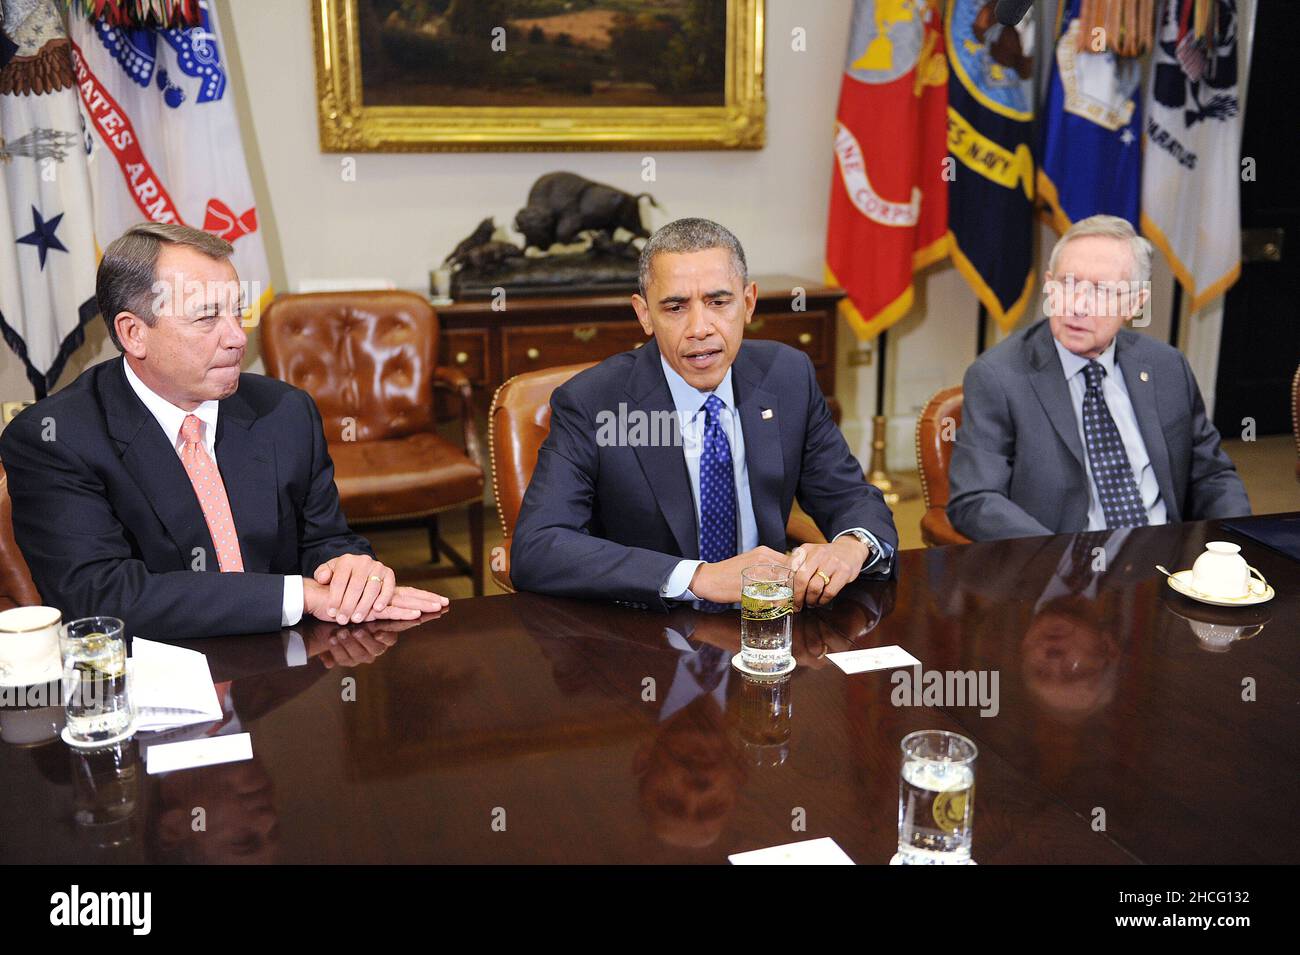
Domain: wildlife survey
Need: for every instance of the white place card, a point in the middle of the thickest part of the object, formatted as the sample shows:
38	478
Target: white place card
873	658
209	751
822	851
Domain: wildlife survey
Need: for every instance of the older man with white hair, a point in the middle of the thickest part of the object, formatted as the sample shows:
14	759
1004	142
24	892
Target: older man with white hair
1078	424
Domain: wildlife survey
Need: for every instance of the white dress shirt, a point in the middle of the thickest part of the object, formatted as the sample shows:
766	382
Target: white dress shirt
170	418
1115	391
689	403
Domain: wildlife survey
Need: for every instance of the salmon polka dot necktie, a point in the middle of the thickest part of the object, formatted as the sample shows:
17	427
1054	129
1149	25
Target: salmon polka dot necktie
211	492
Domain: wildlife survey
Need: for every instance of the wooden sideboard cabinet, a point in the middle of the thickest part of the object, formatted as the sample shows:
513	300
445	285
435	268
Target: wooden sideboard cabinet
531	333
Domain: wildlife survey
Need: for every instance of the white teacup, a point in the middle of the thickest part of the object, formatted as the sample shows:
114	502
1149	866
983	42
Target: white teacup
29	646
1223	573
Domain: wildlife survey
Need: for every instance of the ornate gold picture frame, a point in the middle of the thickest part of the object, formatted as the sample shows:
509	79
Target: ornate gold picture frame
348	31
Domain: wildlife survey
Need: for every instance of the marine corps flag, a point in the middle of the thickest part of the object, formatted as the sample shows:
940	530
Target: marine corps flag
888	208
47	244
1191	173
1092	129
990	120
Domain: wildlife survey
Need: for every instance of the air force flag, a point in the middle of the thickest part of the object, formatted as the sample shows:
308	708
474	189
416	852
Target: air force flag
1092	131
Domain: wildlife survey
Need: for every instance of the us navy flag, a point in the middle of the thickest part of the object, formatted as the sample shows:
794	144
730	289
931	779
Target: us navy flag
1092	130
990	119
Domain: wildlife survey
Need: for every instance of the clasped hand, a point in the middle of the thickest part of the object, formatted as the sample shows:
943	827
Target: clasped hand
353	588
841	561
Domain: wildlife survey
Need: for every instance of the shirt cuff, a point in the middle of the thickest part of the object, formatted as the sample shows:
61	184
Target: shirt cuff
678	585
881	556
291	606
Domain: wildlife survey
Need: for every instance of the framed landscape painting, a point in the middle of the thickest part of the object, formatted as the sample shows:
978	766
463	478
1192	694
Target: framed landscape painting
430	75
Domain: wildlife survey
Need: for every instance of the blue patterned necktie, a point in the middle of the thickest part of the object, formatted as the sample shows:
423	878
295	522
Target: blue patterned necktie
1121	504
717	488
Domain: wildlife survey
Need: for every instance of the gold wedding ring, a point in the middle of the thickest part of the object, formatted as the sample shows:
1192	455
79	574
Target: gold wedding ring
378	580
822	575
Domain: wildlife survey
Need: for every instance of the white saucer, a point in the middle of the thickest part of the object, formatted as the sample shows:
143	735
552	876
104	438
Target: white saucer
1182	582
77	744
736	662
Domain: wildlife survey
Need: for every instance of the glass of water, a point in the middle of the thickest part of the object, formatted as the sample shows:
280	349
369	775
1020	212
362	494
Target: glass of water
766	606
936	799
94	681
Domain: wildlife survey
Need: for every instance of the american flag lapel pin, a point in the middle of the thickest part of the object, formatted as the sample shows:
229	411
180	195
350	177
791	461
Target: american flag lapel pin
767	414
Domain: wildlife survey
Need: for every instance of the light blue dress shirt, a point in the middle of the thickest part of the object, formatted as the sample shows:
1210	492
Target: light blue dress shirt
689	403
1115	391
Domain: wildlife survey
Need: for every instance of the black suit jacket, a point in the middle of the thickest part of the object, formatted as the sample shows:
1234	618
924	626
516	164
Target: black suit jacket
1018	465
109	523
612	521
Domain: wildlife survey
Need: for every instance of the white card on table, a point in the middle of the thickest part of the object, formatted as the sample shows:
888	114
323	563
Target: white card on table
822	851
873	658
209	751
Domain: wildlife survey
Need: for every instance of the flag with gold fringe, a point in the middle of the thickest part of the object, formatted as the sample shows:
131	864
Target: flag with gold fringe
888	206
47	239
166	144
1191	176
1091	159
990	123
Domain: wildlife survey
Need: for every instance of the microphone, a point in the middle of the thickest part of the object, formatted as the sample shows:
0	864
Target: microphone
1011	12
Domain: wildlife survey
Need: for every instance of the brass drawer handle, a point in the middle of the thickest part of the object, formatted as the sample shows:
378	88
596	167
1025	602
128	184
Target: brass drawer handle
533	354
756	325
586	333
805	338
462	357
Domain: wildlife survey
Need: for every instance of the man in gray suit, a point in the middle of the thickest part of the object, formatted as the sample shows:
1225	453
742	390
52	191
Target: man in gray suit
1077	424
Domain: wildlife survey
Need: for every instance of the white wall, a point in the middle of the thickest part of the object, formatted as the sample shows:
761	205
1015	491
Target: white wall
404	212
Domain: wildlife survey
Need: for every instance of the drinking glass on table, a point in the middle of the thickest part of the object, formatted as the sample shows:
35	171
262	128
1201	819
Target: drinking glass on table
766	606
936	799
95	682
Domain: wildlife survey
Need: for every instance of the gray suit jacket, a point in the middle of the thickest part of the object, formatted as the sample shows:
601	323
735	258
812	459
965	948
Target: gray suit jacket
1018	464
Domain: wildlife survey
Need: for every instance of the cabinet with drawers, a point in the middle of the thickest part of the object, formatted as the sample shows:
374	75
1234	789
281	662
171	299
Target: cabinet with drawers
491	345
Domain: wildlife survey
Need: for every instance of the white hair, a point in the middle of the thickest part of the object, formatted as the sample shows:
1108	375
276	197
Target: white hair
1111	227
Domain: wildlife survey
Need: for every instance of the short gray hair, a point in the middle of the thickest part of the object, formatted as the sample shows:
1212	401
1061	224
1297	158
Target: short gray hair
1111	227
691	235
126	276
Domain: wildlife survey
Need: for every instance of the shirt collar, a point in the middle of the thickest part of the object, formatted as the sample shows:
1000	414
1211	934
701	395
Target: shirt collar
688	399
1072	364
170	417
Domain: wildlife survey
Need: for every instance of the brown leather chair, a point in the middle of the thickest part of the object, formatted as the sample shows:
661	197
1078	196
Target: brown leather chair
518	423
369	359
935	431
16	586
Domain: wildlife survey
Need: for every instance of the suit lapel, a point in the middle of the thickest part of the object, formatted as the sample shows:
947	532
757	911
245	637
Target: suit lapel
156	467
1048	380
763	452
247	465
1142	394
664	465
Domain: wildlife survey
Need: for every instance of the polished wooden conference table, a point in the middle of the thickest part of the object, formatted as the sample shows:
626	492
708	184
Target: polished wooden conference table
1132	726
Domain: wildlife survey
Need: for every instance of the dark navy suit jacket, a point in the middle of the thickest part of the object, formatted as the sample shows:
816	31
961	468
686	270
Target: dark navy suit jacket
109	523
611	521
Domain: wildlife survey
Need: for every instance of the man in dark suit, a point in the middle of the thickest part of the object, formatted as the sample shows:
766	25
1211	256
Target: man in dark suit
134	485
1078	424
670	468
